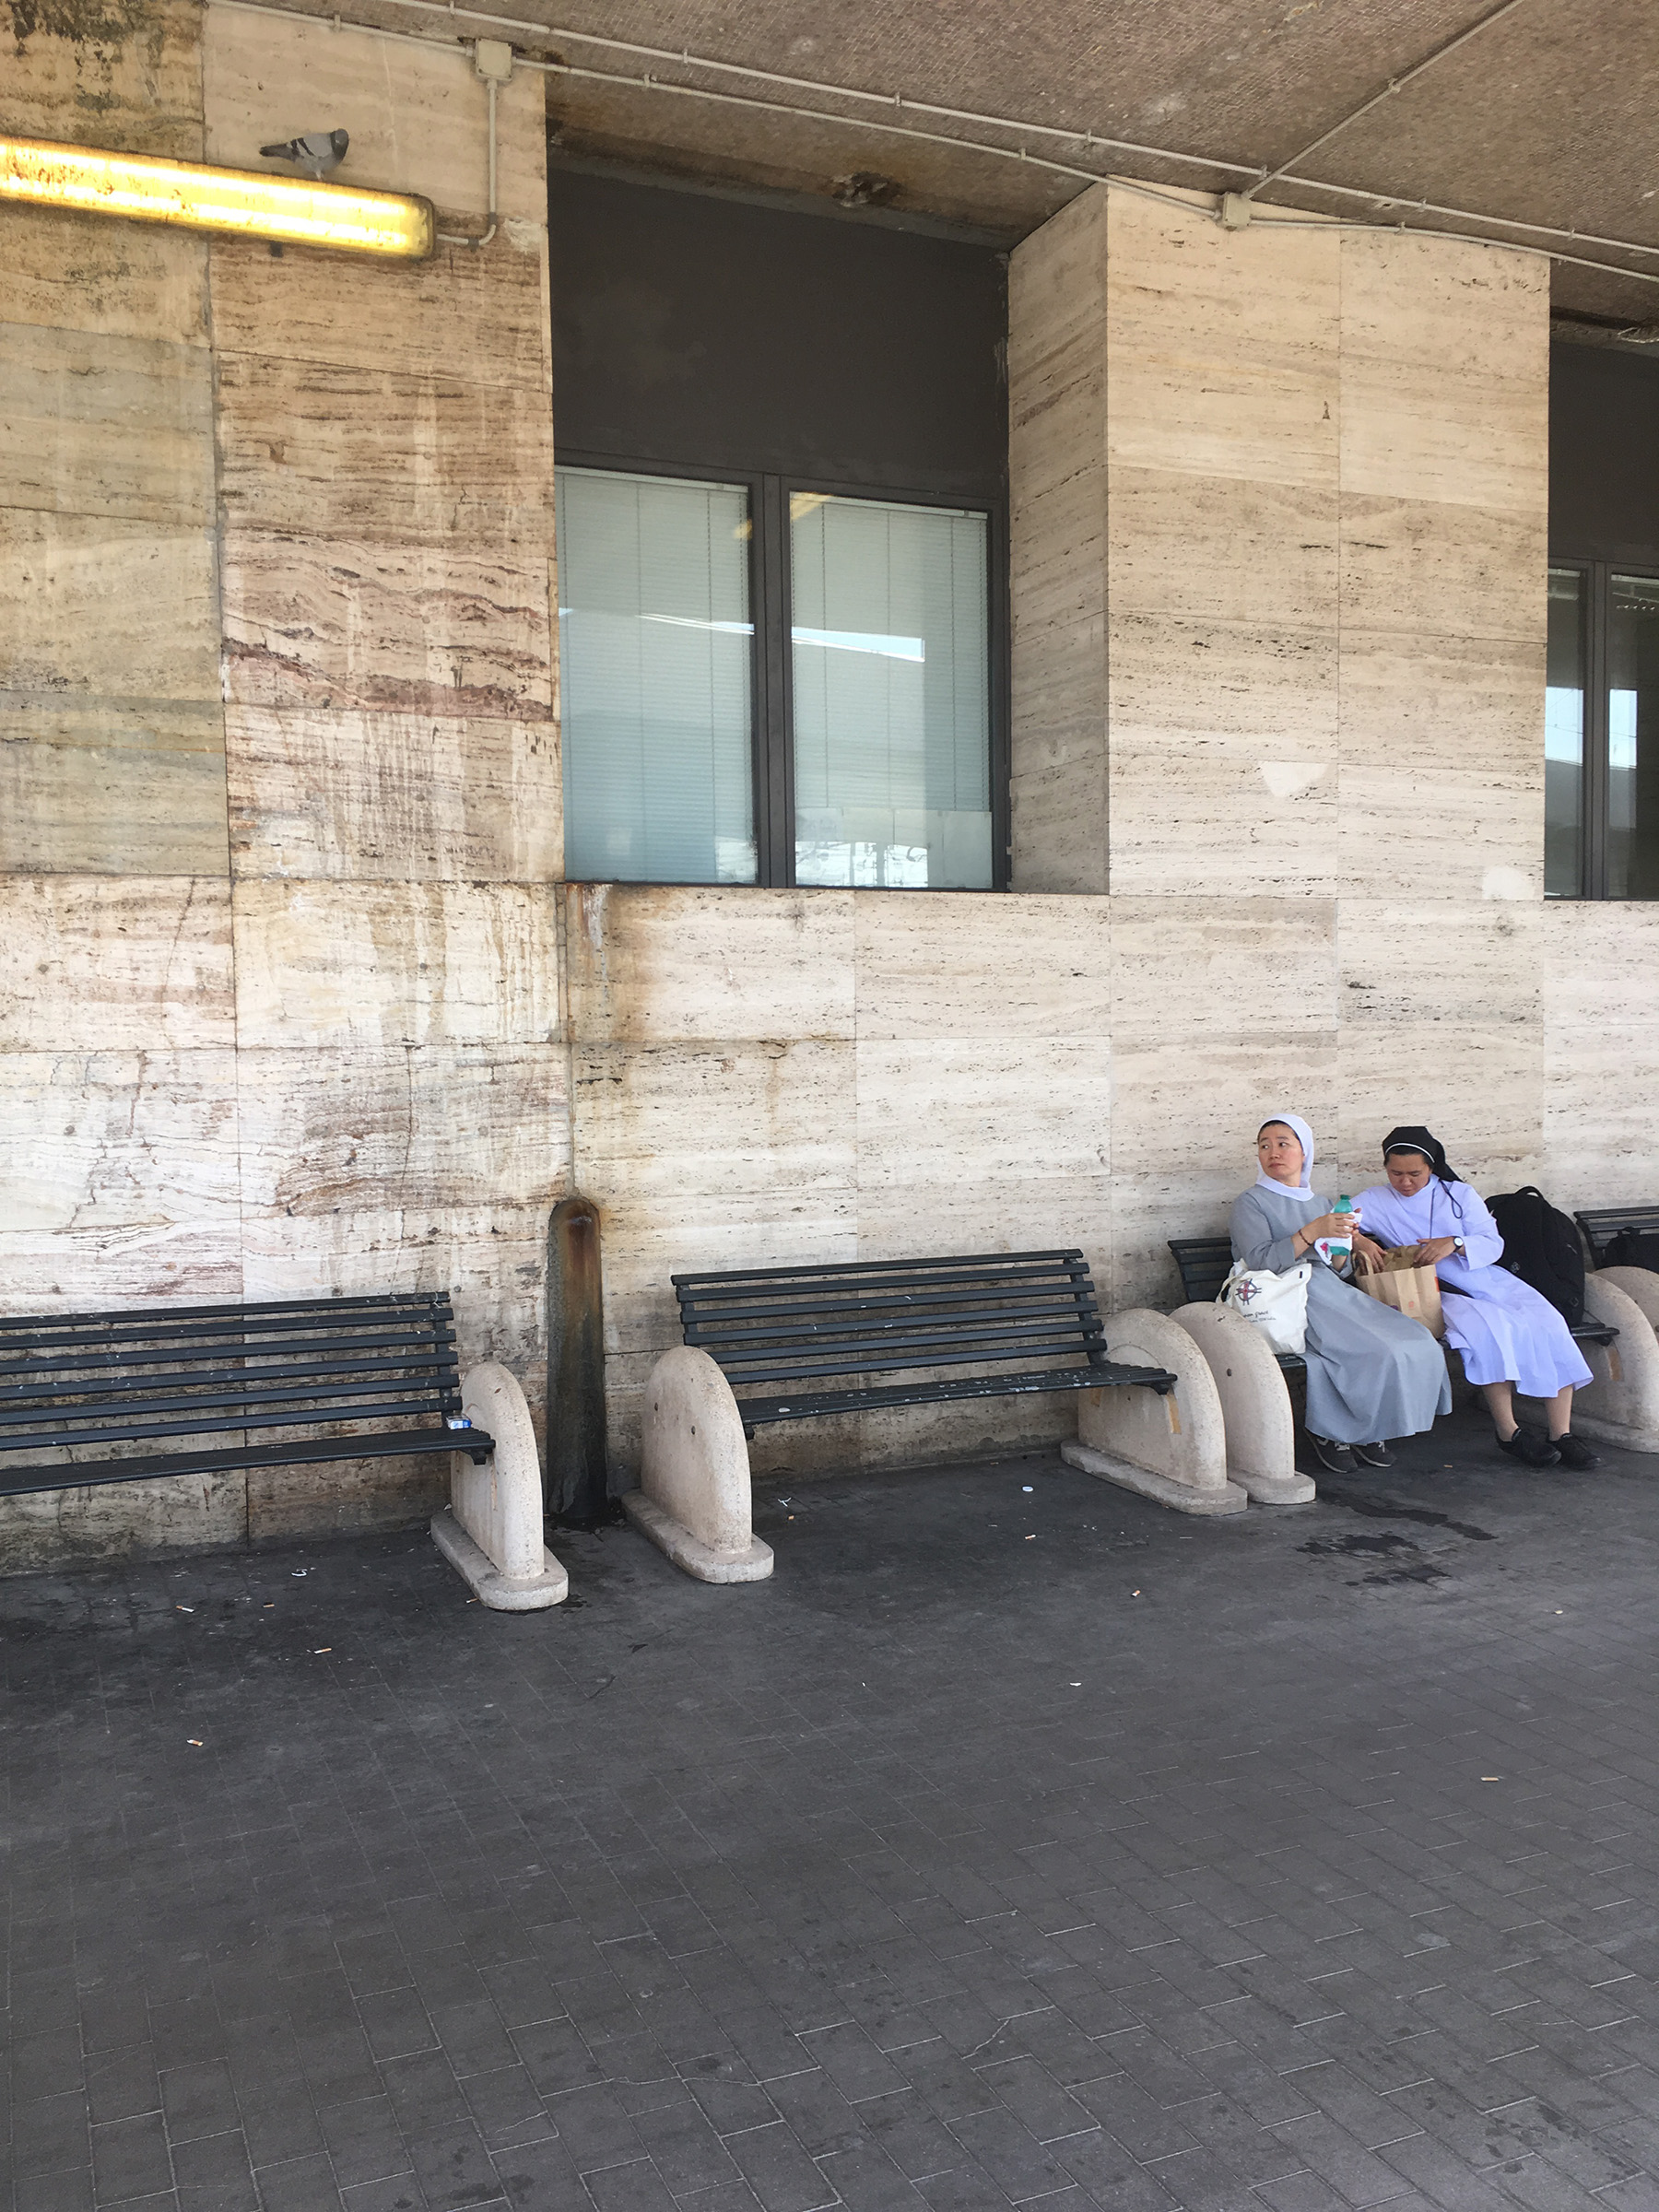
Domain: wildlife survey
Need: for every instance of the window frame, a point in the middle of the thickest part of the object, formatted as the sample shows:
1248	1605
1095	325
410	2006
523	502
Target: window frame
1593	599
772	674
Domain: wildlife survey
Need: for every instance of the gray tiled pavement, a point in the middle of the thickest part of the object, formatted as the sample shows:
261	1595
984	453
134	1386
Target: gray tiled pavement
1004	1849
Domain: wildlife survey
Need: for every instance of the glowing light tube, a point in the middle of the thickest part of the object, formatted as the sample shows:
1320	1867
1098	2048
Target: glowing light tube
239	203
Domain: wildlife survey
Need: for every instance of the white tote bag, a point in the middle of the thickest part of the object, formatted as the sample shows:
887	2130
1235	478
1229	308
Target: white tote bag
1276	1304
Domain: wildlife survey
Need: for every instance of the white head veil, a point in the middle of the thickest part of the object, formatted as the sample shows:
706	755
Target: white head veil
1304	1137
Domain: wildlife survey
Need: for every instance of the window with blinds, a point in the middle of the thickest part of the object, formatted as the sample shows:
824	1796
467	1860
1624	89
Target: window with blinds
656	650
842	737
890	652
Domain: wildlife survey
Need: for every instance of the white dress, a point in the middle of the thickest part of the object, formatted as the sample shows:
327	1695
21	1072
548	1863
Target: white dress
1506	1331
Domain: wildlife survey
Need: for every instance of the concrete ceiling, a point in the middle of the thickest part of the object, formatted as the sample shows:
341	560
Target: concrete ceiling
1549	115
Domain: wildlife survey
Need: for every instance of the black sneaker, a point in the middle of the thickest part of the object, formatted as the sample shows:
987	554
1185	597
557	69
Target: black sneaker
1531	1449
1373	1456
1572	1453
1337	1459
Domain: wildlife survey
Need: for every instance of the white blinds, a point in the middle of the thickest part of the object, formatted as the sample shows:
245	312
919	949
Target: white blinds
891	653
656	643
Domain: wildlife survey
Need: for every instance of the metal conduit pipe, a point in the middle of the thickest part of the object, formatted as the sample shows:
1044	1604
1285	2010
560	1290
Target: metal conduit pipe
1228	203
493	61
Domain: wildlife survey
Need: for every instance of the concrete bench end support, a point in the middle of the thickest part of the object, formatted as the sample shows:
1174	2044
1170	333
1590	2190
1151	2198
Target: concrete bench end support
1256	1405
492	1530
694	1499
1173	1448
1621	1407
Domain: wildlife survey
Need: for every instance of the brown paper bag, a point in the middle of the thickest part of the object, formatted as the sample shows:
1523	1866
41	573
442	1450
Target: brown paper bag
1409	1289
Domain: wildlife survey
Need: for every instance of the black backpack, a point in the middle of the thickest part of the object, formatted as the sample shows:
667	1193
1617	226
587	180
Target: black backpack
1542	1247
1633	1248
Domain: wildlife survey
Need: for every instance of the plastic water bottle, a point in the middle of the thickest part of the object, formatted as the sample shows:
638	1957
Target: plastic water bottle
1341	1246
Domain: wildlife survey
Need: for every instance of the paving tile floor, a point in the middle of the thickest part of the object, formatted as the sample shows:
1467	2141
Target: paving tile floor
1017	1843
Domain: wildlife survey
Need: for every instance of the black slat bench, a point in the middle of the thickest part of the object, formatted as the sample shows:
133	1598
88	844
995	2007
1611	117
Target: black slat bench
1207	1262
1011	1317
1599	1225
159	1375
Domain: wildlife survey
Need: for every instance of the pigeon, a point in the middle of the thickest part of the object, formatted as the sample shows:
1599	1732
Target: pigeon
319	153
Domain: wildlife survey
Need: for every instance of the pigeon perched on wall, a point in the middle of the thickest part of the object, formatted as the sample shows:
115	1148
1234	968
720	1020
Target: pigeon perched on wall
319	153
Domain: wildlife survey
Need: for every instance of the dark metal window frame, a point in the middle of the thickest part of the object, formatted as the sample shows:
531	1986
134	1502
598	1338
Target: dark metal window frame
772	718
1593	601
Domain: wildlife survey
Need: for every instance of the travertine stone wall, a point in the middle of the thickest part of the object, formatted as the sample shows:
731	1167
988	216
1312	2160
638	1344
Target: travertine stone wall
278	770
762	1077
1314	538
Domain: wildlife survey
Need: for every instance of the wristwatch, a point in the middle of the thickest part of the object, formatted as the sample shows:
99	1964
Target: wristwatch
1458	1246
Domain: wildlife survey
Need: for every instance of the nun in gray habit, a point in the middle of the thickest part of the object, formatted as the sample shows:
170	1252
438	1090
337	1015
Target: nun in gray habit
1372	1374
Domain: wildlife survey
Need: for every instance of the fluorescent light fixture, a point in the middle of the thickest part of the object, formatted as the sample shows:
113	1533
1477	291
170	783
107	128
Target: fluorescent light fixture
240	203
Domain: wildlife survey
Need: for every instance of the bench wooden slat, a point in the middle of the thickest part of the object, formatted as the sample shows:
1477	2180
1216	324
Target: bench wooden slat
256	1383
21	1482
758	1411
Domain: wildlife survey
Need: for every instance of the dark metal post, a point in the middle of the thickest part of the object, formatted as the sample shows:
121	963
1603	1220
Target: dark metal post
577	1485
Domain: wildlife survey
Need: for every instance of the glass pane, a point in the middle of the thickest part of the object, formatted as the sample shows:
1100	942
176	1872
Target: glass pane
1633	737
1564	737
892	694
656	642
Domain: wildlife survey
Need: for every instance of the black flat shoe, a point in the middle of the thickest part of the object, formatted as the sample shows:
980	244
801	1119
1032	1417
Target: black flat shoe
1336	1459
1531	1449
1372	1455
1574	1453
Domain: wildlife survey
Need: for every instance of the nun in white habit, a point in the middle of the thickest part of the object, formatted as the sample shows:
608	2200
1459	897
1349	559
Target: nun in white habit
1372	1374
1510	1336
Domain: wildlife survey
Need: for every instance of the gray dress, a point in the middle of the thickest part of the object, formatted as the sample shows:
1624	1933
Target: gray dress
1372	1373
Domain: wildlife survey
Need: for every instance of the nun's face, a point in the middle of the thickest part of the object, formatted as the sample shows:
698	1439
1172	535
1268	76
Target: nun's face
1407	1172
1280	1154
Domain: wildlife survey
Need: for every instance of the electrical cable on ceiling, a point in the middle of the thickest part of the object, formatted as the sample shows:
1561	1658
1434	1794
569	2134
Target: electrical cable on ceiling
1394	84
1174	197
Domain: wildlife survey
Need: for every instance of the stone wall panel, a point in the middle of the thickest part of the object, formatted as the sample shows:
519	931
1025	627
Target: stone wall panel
111	607
118	1178
471	315
1444	373
101	966
1057	491
327	965
1428	569
654	963
339	1133
371	453
1222	347
1443	766
135	84
119	787
1442	1024
1040	967
401	797
85	273
99	424
369	628
705	1155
